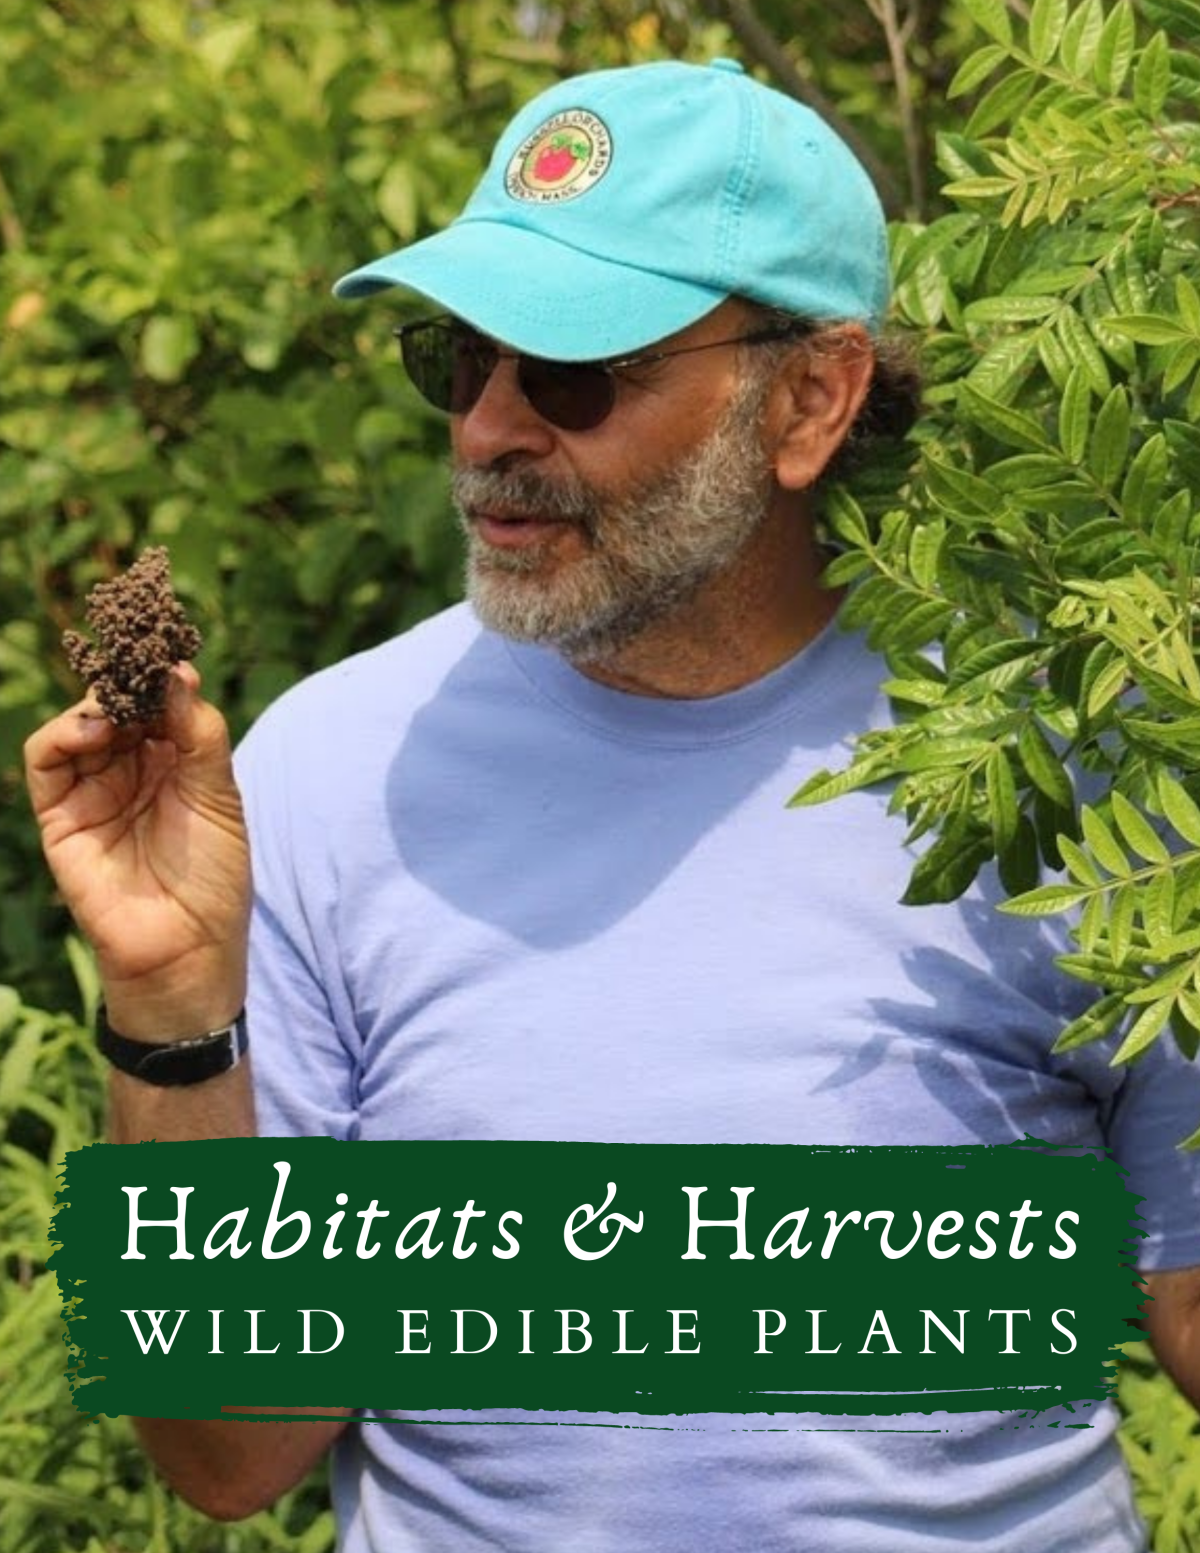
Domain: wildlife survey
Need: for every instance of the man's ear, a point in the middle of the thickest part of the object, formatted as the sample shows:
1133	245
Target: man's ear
819	390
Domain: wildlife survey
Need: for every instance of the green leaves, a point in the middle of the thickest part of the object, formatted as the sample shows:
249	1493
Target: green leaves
1098	1022
1059	461
1044	767
824	785
178	189
66	1475
992	16
976	68
1004	812
1103	843
1114	54
946	870
1152	78
1138	897
1046	901
1011	427
1081	39
1047	22
1141	836
1142	491
1075	415
1151	329
1179	808
1146	1027
169	345
1109	447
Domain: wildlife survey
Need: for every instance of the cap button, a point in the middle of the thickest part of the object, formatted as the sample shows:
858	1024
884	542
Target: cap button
735	67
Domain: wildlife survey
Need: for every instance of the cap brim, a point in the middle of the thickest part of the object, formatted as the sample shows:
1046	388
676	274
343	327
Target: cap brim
535	294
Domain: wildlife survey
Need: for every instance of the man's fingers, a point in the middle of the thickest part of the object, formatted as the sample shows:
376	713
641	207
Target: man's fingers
91	765
53	752
82	742
195	726
188	674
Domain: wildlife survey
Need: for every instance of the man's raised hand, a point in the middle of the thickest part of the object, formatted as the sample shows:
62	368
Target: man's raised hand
143	830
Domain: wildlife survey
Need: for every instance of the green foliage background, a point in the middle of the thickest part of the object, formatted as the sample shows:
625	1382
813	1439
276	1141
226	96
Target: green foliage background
1048	539
181	181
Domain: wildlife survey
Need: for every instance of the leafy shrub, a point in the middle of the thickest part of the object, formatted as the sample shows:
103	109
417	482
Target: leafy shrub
179	186
1159	1439
1048	539
67	1480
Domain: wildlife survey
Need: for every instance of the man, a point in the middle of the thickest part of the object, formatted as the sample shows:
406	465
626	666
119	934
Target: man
526	872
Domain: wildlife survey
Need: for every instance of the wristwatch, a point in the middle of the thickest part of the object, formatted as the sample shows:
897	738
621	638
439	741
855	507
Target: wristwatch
172	1063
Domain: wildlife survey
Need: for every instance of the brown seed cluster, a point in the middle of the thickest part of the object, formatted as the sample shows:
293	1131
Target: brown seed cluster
140	630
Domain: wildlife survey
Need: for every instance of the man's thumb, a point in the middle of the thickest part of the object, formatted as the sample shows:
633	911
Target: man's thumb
197	730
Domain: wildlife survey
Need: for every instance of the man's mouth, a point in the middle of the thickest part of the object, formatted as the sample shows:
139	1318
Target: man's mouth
519	501
510	530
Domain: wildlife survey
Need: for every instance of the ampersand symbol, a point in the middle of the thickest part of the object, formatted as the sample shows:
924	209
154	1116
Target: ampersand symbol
585	1215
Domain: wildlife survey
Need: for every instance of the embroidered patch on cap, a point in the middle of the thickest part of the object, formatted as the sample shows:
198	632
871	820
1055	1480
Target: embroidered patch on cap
562	159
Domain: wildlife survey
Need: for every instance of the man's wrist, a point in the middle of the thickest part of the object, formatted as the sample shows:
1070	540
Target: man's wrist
177	1004
178	1061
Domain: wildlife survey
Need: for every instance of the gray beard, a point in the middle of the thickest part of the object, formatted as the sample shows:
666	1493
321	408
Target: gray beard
648	553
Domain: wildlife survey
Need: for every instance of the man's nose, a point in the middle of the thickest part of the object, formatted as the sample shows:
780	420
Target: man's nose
501	422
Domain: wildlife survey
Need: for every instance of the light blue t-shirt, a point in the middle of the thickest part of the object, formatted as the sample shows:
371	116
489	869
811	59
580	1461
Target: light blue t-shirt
499	900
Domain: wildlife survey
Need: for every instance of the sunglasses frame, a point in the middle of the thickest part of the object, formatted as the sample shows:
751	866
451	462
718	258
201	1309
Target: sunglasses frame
609	367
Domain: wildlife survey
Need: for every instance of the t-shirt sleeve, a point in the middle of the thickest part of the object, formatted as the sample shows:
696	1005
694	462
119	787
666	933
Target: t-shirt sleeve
1156	1107
303	1043
1146	1109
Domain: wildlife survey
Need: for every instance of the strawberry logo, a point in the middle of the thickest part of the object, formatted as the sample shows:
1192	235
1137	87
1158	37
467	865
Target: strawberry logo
557	159
562	159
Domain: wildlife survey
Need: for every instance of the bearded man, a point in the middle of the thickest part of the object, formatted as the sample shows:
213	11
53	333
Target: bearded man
526	872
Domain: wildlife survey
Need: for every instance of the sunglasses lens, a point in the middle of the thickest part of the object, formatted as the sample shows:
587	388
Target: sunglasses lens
448	366
573	396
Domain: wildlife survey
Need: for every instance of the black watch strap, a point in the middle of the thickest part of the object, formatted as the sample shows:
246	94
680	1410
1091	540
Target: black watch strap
172	1063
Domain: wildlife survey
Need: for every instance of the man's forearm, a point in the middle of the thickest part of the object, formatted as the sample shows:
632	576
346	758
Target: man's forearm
221	1107
231	1470
227	1469
1173	1326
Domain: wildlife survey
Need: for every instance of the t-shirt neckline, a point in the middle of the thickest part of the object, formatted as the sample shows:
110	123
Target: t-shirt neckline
797	685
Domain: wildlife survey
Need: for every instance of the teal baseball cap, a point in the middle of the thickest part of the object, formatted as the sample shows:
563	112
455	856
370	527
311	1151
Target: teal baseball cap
623	205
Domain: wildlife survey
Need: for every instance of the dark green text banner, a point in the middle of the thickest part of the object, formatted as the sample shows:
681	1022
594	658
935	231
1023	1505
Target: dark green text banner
599	1278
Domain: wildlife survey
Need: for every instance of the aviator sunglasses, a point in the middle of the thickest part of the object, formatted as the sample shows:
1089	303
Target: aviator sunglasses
450	363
